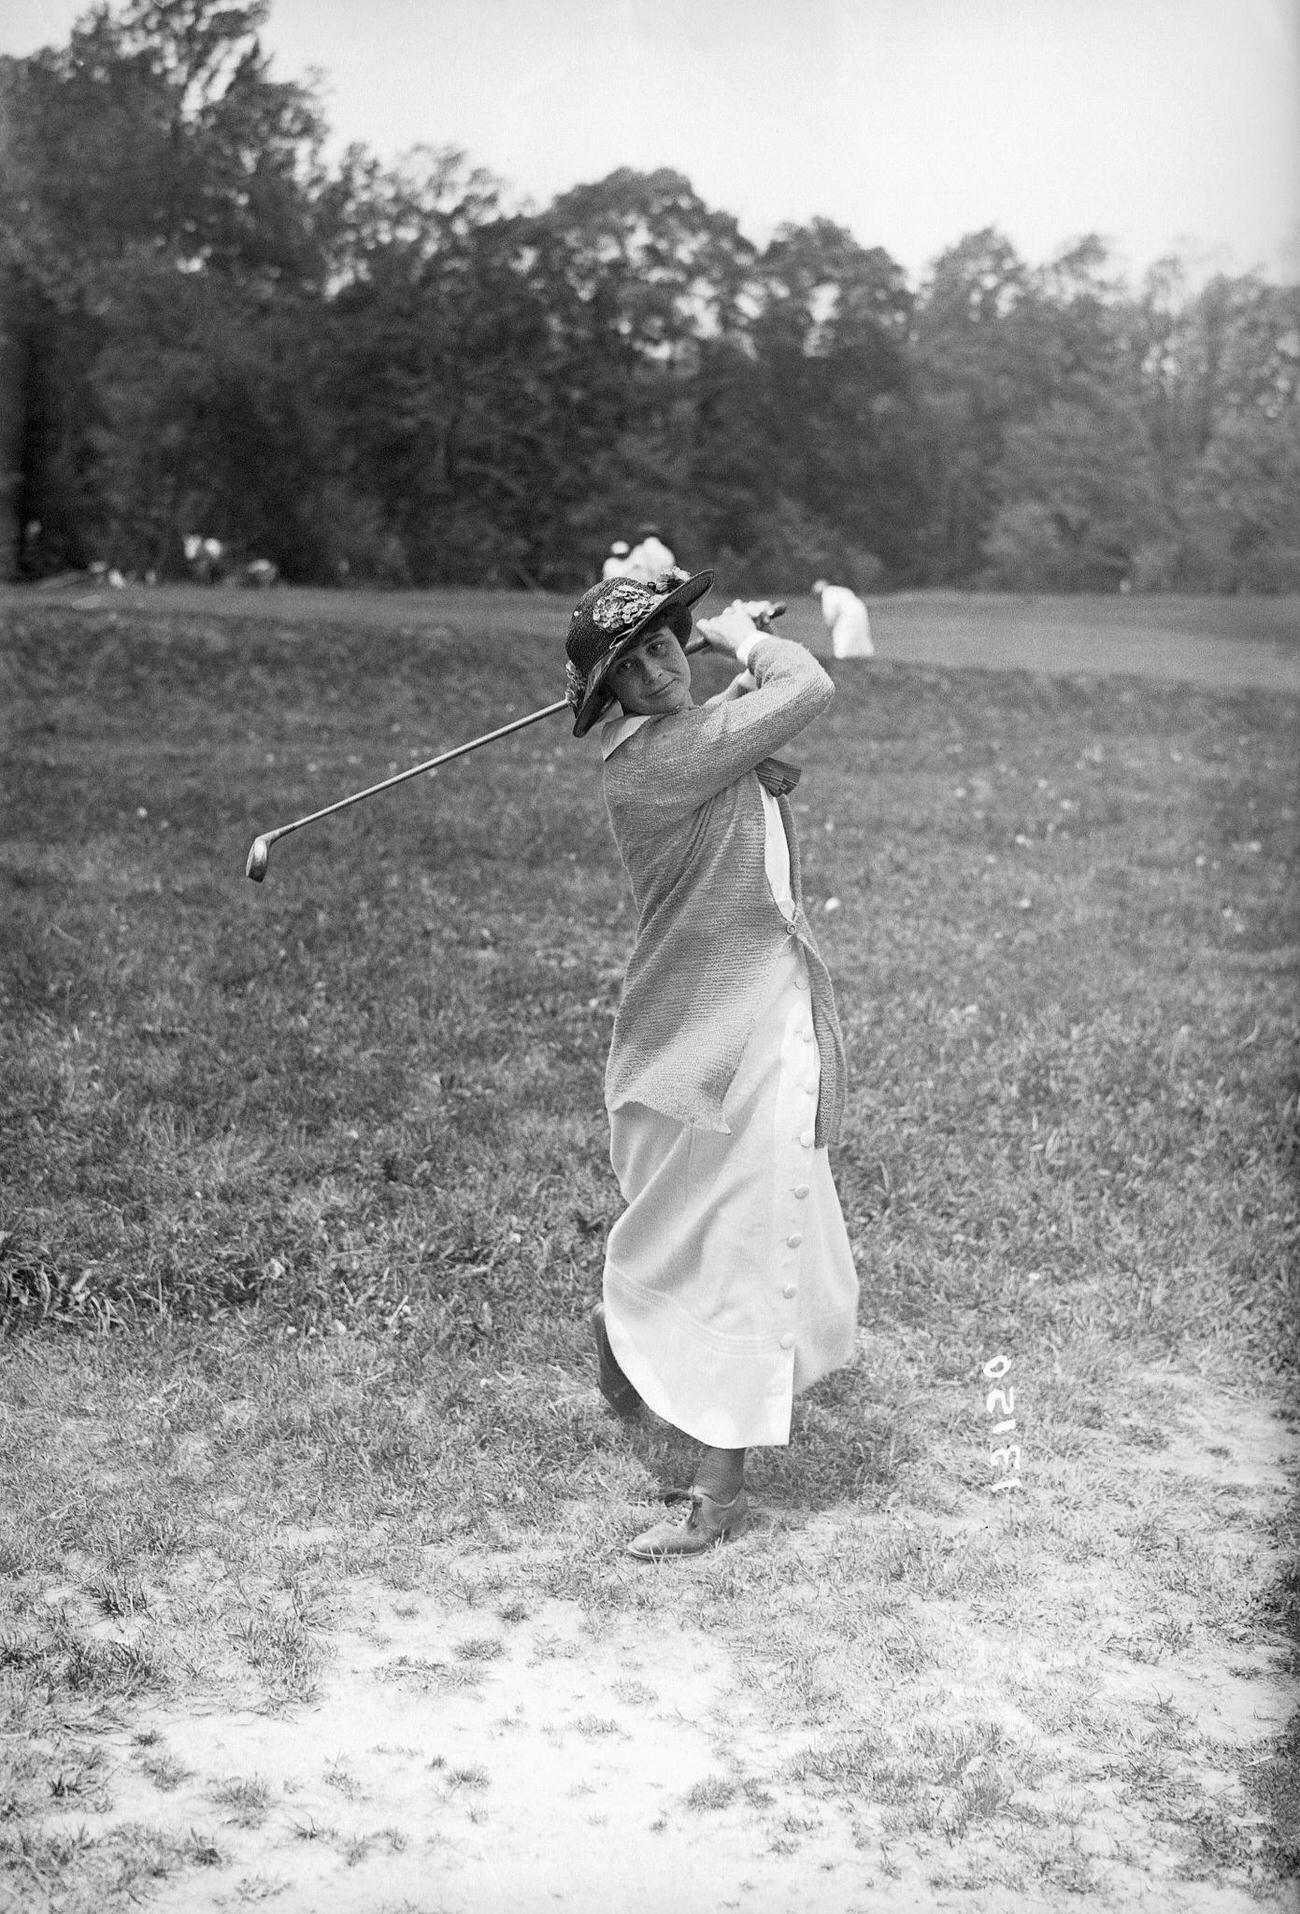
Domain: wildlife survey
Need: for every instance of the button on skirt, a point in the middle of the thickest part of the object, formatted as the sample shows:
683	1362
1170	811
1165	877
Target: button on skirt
729	1282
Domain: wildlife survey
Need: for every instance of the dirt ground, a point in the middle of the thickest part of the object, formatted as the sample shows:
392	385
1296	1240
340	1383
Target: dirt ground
507	1754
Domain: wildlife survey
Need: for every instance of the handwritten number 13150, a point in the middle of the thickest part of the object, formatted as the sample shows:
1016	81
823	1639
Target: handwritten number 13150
1002	1402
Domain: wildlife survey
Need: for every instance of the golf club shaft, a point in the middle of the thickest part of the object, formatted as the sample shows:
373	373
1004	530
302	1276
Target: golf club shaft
430	764
261	845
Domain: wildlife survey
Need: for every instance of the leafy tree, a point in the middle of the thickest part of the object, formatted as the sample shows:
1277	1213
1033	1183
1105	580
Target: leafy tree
469	379
665	269
1080	496
1240	507
732	478
981	366
840	410
1218	385
393	372
664	285
166	229
160	124
1077	316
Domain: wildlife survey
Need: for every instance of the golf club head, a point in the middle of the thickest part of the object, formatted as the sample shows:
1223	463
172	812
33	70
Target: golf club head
258	859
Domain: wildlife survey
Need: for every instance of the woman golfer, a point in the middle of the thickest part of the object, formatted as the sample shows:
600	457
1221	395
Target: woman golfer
729	1283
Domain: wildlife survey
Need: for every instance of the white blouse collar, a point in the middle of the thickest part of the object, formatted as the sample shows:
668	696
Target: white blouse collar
617	730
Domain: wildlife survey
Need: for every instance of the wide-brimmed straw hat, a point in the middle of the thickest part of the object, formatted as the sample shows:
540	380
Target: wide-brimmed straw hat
608	620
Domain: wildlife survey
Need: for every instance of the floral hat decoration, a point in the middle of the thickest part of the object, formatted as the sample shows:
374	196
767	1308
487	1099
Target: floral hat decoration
608	620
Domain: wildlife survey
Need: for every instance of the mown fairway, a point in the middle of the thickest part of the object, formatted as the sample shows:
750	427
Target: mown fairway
303	1195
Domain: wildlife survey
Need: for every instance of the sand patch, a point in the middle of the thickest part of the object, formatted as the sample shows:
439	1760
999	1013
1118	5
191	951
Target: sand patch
462	1762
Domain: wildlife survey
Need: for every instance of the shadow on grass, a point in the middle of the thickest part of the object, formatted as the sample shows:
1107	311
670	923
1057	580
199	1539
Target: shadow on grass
843	1448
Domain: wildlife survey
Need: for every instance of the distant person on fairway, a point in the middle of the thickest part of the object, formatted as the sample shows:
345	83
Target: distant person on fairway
729	1283
846	620
650	558
616	564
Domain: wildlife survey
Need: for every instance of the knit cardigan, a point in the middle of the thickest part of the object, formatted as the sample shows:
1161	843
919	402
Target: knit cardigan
687	813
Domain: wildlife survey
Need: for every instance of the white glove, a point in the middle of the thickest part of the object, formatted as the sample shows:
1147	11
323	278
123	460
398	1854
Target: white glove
732	631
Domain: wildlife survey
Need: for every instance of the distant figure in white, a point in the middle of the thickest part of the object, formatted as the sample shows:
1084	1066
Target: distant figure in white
846	619
649	558
616	564
203	556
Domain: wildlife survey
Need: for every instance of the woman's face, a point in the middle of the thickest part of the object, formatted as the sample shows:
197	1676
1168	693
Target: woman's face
653	678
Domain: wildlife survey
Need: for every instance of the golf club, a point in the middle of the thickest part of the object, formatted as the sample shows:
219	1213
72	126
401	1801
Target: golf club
259	856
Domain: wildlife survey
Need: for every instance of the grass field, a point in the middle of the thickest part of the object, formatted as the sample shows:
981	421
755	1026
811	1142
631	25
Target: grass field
303	1196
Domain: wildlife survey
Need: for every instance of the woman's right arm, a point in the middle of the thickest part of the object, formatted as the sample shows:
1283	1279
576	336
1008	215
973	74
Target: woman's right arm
678	763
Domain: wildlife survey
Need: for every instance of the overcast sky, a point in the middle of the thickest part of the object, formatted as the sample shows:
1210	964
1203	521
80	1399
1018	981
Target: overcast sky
1164	125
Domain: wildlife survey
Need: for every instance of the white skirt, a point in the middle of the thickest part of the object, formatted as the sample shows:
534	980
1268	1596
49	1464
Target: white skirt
729	1281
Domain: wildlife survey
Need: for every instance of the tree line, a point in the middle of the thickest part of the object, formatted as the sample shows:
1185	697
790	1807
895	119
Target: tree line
392	373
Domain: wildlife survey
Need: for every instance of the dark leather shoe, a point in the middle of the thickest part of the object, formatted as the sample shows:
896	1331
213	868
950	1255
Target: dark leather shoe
614	1385
707	1524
